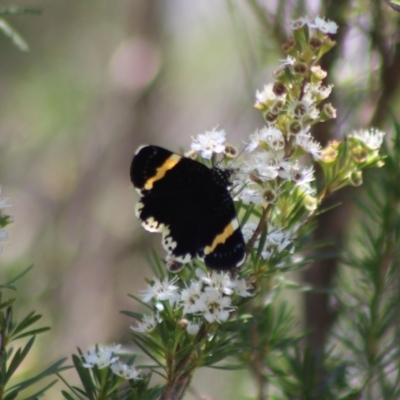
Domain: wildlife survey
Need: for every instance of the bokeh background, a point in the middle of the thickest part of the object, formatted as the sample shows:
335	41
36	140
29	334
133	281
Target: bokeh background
103	77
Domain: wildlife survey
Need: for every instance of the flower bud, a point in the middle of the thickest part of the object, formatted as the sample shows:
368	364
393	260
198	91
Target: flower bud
270	117
299	110
328	112
191	154
327	45
355	178
329	153
317	73
310	203
183	323
277	107
294	128
231	151
289	47
280	74
359	154
315	44
269	195
300	68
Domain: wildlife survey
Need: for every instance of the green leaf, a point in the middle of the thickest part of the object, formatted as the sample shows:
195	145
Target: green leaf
13	35
73	389
85	377
52	370
12	396
32	333
19	11
20	275
67	395
132	314
41	391
29	320
7	303
137	340
18	358
156	266
229	367
140	301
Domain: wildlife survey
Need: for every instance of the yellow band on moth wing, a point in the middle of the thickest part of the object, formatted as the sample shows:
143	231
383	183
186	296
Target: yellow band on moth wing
168	164
222	237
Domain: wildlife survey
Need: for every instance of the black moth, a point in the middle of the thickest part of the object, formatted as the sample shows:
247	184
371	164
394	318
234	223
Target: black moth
190	205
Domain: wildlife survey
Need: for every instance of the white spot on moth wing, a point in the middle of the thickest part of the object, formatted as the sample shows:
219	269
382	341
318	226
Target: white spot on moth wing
140	191
138	208
167	241
169	244
184	259
151	225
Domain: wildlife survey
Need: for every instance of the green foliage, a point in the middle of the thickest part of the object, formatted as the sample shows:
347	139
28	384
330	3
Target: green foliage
10	31
367	330
99	384
11	358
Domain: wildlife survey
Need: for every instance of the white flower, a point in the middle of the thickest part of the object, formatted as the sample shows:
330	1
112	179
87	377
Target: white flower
214	306
248	230
279	239
162	291
298	23
267	94
209	143
219	281
316	91
101	356
309	145
193	327
289	60
125	371
252	194
304	177
241	288
372	137
324	26
190	296
288	170
318	71
302	108
264	165
293	172
270	135
148	323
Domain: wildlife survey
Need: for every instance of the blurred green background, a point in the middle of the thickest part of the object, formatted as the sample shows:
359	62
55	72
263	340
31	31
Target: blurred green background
101	78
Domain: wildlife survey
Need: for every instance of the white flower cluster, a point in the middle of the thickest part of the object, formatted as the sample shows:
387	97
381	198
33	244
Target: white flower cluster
108	357
210	142
3	232
327	27
264	175
275	153
208	296
277	239
372	138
